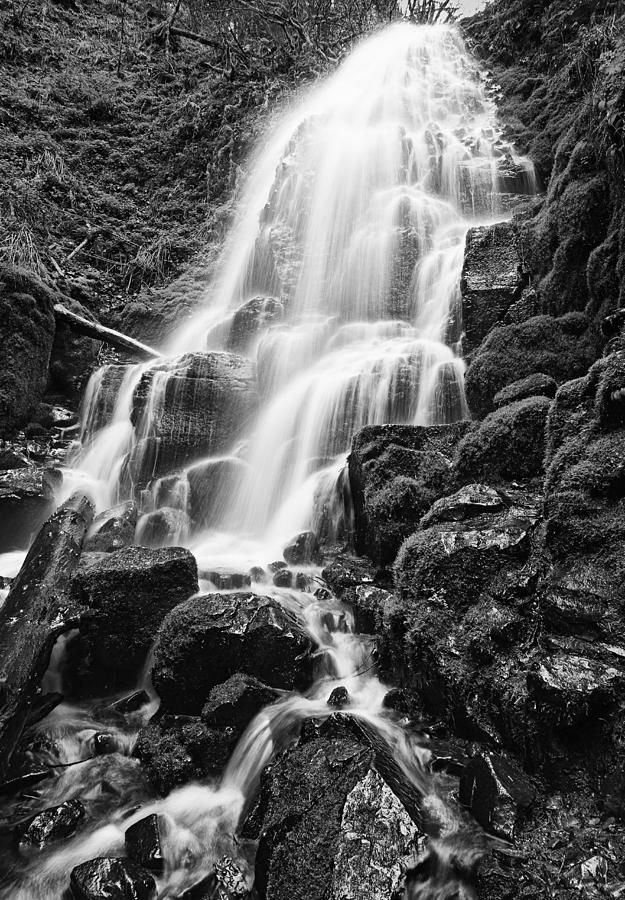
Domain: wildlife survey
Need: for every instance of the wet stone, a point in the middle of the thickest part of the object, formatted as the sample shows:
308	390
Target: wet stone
283	578
496	792
104	744
130	703
50	825
304	550
227	579
573	688
470	501
339	698
237	701
143	842
258	574
110	878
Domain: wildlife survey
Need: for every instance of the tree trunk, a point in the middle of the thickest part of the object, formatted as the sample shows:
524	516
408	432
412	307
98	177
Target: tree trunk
100	333
36	611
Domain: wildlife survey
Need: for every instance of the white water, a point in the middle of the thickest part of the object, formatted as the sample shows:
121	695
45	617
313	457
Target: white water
355	216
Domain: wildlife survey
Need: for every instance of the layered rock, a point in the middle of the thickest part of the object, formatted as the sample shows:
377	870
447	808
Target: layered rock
211	637
396	473
126	595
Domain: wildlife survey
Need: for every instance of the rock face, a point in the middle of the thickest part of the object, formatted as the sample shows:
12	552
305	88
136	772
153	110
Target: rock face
27	327
26	501
250	319
328	826
211	637
113	529
198	404
496	792
562	348
126	595
111	879
212	483
50	824
492	280
396	472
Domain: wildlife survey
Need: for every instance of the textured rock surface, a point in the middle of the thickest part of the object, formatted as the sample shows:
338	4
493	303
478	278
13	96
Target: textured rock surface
396	472
51	824
537	385
27	328
250	319
127	594
109	878
496	792
211	637
202	402
492	280
113	529
237	701
26	501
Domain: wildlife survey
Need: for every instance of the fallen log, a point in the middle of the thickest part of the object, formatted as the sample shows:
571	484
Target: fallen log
36	611
83	326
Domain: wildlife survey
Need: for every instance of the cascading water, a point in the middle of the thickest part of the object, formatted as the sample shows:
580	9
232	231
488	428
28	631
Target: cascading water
336	306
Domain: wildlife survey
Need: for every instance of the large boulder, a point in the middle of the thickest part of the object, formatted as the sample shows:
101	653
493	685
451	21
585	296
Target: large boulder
509	444
328	825
27	328
26	501
492	279
111	878
126	595
191	407
250	319
211	486
562	348
396	472
211	637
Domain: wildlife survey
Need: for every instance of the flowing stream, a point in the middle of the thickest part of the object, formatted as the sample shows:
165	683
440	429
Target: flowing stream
336	306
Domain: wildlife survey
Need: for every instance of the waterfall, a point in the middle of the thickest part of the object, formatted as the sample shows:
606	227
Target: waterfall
339	284
336	305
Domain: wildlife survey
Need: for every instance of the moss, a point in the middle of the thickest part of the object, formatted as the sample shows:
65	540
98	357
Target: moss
562	348
509	443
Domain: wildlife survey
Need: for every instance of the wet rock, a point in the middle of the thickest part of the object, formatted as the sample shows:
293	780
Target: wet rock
237	701
283	578
50	825
396	473
275	566
251	318
143	842
13	456
42	706
509	444
328	825
571	689
470	501
211	637
104	743
346	572
127	594
108	382
212	484
368	604
175	750
339	698
26	501
563	348
492	279
447	756
227	579
27	327
304	550
113	529
50	416
304	581
204	400
109	878
537	385
496	792
163	527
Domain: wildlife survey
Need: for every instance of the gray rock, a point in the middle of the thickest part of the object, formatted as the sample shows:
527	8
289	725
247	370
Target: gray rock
26	501
470	501
237	701
113	529
570	689
143	842
492	279
163	527
212	483
495	791
304	550
204	641
251	318
227	579
109	878
126	595
50	825
203	403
